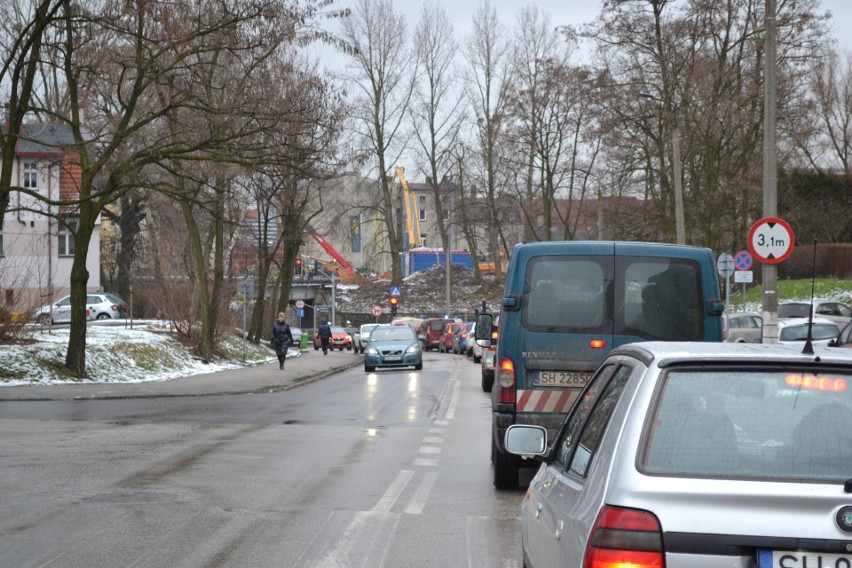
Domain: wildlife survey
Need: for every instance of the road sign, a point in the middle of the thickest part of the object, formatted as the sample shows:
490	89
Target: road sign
725	265
743	277
300	304
395	292
771	240
376	310
743	260
300	312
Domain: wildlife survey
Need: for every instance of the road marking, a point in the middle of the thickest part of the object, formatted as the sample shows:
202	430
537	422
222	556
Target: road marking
426	462
454	401
421	496
430	449
396	488
433	440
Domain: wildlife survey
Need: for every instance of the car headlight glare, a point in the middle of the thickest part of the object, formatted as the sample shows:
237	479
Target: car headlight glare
371	351
413	349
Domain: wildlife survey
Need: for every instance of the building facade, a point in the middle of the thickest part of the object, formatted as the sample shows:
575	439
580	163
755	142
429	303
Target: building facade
37	240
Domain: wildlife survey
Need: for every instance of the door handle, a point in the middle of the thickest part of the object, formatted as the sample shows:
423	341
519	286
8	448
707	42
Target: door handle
538	510
558	534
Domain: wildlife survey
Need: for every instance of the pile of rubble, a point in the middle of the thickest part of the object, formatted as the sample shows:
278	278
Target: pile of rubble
425	293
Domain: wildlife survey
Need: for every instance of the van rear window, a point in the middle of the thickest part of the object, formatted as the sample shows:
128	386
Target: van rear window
645	297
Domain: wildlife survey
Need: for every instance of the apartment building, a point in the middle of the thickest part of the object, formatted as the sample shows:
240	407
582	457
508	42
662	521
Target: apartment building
36	248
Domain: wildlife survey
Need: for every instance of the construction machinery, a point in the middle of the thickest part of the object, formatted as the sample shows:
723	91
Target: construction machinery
412	211
338	259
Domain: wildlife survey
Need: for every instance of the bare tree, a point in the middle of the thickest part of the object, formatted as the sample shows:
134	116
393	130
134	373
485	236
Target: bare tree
437	111
487	55
382	71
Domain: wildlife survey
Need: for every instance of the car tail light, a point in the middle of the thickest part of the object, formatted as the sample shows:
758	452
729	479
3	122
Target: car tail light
624	537
506	380
597	343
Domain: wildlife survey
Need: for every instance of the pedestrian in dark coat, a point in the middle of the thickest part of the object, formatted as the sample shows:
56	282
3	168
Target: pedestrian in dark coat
324	333
282	337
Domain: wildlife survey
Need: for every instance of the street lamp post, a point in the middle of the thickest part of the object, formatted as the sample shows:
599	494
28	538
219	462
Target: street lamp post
680	232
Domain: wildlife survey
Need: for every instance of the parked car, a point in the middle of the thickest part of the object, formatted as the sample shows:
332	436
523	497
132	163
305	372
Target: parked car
393	346
448	336
845	337
432	329
463	340
359	339
475	348
339	339
838	312
795	331
99	306
742	327
688	454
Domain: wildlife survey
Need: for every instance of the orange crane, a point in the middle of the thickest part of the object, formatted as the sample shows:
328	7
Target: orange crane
412	211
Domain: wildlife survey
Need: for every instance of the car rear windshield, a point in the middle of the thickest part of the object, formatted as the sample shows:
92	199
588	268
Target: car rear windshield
793	310
763	424
800	332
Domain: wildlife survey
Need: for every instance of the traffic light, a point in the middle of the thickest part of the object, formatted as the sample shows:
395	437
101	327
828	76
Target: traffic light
298	266
394	302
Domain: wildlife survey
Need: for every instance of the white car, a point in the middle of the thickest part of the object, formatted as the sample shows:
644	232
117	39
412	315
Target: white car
359	338
795	331
98	306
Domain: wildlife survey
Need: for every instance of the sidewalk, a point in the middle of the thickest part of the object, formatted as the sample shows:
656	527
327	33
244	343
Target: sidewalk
310	366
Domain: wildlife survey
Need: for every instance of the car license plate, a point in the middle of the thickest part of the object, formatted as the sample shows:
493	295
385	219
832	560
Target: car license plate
786	559
393	358
562	378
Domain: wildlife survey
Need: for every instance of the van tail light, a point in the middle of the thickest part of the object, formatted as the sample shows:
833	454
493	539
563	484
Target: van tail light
506	380
625	537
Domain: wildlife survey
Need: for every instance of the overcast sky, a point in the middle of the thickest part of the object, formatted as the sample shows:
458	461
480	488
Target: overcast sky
574	12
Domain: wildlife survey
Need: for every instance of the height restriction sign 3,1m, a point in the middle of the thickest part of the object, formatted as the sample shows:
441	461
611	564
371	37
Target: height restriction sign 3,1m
771	240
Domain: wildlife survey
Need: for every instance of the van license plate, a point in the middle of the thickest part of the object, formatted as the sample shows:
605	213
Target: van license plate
562	378
784	559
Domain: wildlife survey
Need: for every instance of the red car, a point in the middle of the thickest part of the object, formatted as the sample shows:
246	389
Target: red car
450	331
432	329
340	339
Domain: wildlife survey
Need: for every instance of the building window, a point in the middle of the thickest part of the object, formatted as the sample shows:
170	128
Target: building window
1	243
66	238
30	175
422	207
422	239
10	297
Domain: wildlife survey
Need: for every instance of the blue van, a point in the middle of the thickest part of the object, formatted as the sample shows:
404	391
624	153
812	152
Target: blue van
566	305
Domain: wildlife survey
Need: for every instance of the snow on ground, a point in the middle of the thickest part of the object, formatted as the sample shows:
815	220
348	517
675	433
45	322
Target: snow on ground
114	353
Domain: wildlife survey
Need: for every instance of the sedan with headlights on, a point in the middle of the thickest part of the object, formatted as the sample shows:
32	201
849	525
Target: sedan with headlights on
393	346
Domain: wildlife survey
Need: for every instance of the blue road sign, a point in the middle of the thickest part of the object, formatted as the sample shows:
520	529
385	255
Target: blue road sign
300	313
743	260
395	291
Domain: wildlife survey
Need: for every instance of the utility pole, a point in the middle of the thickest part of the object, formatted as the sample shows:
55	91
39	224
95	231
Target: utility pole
770	174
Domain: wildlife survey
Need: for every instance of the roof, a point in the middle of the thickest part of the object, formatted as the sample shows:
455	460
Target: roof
667	353
44	139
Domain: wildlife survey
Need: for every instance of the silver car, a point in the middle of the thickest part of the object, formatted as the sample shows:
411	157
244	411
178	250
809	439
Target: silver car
98	306
697	454
838	312
742	327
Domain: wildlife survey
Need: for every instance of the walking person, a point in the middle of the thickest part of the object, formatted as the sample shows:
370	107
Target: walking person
282	337
324	333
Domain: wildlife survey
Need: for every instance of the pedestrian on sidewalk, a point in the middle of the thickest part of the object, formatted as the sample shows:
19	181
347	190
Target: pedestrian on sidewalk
282	337
324	333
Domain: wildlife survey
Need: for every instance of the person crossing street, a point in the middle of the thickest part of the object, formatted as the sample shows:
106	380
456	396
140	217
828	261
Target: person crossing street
282	337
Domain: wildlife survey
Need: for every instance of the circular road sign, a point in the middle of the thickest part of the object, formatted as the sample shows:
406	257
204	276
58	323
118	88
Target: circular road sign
300	304
743	260
376	310
725	265
771	240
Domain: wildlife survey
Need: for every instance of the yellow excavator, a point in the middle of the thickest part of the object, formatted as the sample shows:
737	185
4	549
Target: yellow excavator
412	211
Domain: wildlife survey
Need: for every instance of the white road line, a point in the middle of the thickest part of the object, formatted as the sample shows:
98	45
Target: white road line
454	402
421	496
426	462
430	449
433	440
396	488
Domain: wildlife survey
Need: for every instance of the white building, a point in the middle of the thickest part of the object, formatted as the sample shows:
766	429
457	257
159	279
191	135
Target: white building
36	249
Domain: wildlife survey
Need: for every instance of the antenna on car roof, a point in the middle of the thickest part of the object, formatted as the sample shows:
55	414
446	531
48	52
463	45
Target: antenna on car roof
809	345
